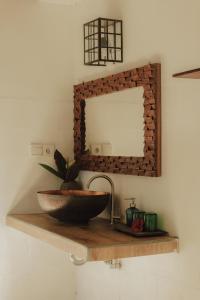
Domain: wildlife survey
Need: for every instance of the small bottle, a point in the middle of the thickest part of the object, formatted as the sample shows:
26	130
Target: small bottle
130	211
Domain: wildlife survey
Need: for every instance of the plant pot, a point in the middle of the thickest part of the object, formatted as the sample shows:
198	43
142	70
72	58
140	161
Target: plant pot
71	185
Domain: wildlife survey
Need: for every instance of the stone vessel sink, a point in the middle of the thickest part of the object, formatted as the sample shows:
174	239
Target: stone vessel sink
73	205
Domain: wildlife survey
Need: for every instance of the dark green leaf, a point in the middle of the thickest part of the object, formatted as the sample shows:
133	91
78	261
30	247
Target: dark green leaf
72	172
51	170
60	163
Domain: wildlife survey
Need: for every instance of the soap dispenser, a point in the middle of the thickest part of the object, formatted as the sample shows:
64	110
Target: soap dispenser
130	211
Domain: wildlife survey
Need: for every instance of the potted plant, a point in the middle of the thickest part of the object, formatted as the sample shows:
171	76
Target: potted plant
67	171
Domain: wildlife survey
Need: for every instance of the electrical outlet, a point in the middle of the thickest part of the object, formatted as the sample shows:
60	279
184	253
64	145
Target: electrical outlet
48	149
95	149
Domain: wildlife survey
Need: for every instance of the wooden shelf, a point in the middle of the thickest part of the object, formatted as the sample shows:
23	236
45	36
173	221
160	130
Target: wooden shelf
192	74
96	241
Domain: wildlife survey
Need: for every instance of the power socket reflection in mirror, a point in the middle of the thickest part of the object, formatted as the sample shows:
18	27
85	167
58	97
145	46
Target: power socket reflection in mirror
101	149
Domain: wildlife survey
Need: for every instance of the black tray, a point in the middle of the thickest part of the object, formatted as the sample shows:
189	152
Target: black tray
126	229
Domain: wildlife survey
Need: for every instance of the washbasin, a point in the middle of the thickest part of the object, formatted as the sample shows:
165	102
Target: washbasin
73	205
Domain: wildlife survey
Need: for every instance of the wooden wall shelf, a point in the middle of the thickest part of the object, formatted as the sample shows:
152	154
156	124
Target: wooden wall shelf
192	74
96	241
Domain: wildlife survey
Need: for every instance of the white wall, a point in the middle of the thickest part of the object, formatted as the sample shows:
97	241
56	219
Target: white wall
36	71
35	106
166	32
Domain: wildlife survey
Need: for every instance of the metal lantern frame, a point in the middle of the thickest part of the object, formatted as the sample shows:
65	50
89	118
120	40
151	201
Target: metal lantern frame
103	42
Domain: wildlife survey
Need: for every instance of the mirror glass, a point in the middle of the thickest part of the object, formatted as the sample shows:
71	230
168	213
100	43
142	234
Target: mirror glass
115	123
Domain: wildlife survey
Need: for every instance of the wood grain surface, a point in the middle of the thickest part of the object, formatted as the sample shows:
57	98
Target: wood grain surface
149	77
192	74
97	240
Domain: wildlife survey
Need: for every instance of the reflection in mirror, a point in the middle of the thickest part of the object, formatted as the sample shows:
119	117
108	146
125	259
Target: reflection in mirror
115	123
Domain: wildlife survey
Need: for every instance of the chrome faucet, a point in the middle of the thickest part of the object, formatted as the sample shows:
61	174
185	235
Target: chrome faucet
113	218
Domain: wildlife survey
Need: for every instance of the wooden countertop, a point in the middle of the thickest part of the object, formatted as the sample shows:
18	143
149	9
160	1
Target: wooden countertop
97	241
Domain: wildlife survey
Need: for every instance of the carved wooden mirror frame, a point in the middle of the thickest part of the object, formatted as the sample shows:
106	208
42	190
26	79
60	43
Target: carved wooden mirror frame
148	76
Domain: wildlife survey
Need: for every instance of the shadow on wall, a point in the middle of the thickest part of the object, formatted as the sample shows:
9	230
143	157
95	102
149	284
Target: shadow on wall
116	68
25	200
27	176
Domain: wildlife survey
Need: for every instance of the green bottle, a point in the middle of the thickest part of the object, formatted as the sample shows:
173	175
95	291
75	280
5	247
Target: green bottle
130	211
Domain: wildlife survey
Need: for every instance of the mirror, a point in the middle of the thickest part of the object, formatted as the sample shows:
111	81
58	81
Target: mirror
114	123
130	132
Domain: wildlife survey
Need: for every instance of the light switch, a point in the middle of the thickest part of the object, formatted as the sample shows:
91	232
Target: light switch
36	149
